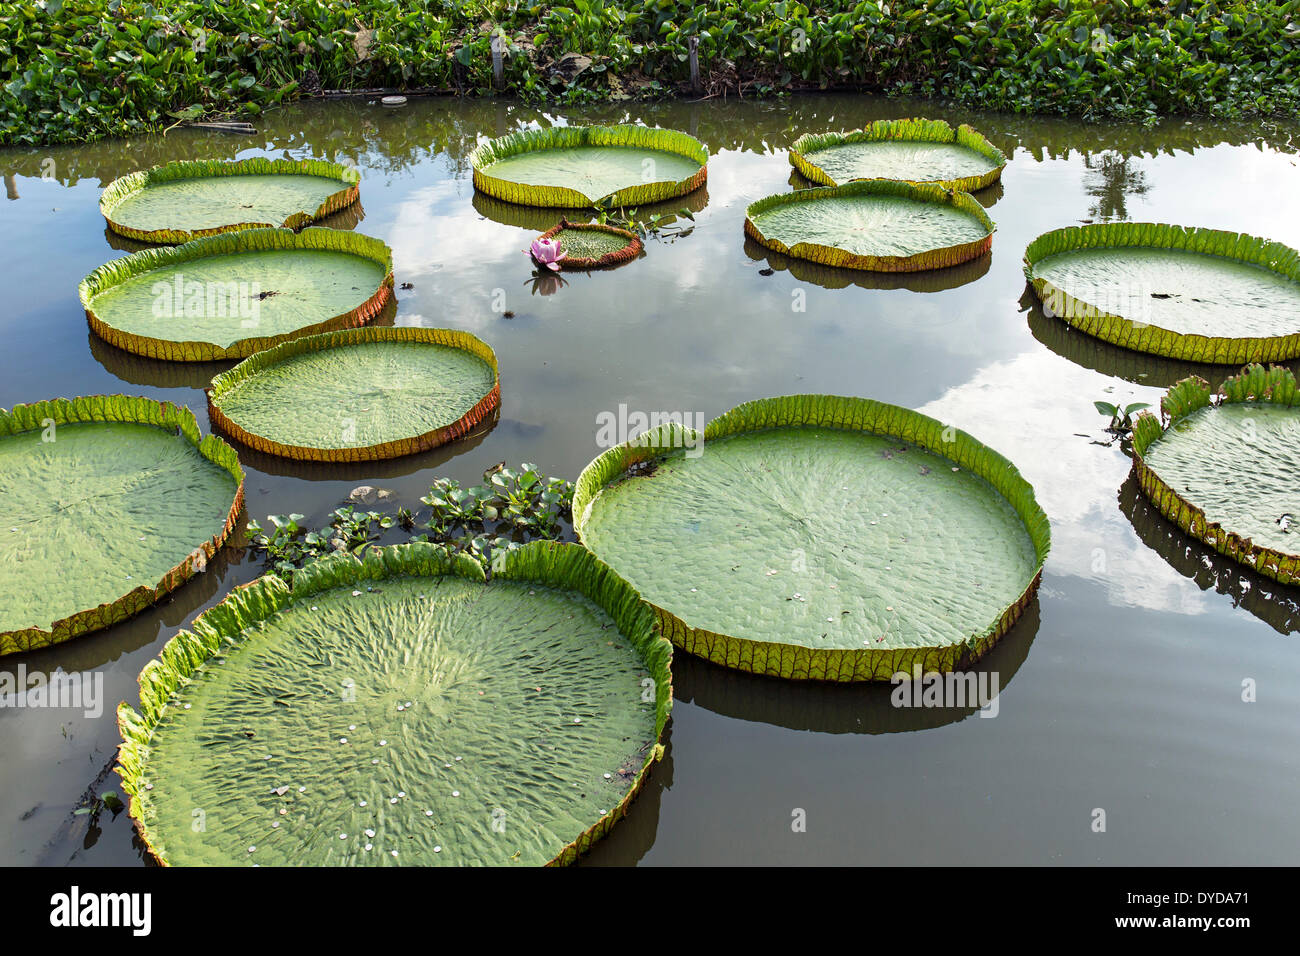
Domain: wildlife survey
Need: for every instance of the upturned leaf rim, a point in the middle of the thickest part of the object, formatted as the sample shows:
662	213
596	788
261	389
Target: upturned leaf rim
568	137
630	250
936	258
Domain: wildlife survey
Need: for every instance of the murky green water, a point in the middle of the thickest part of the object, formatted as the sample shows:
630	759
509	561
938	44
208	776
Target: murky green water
1121	689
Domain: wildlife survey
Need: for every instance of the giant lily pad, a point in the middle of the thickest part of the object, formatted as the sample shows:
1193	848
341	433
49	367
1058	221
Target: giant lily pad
581	166
358	395
399	710
180	201
819	537
228	296
875	224
1224	469
111	502
1201	295
912	150
592	245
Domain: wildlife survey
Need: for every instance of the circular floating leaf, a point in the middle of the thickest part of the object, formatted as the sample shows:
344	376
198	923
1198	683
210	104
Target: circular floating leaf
875	224
112	502
580	166
912	150
819	537
358	395
228	296
180	201
1224	471
1200	295
590	245
401	711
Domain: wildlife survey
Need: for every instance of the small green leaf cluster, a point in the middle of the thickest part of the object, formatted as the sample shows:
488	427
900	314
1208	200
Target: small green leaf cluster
511	507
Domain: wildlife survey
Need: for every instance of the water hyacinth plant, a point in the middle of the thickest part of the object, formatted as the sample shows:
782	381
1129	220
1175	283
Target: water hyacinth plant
511	507
127	66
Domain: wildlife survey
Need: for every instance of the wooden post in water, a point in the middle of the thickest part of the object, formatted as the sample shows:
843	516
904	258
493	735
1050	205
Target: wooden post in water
693	48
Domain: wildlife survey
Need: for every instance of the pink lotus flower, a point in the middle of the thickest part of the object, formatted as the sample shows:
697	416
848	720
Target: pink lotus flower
547	252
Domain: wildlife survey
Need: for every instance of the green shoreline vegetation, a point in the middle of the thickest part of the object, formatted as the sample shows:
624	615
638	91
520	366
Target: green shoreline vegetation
79	70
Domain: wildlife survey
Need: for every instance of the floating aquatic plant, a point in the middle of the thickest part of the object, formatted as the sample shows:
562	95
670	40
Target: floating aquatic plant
358	395
1201	295
583	166
1222	467
180	201
115	501
228	296
876	224
819	537
400	710
912	150
584	245
511	507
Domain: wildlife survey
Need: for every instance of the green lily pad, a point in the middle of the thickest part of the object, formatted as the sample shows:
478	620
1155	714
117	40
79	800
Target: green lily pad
818	537
912	150
1201	295
874	224
111	502
589	245
1223	468
228	296
180	201
358	395
581	166
401	711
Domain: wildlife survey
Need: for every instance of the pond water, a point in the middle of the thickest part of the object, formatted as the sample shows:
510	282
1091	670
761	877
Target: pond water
1120	689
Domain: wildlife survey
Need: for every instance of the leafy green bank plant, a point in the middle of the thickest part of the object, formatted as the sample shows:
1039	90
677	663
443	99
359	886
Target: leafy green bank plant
74	70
